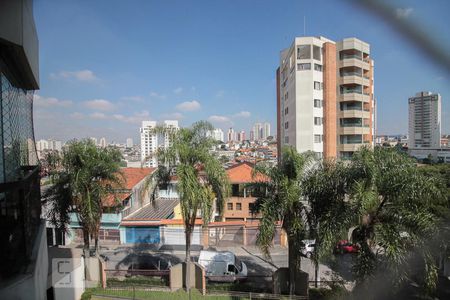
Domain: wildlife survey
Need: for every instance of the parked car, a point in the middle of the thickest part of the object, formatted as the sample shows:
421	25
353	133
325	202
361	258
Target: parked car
222	266
307	247
344	246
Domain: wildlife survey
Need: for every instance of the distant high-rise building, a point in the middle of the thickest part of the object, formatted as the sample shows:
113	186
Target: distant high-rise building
266	131
150	140
231	135
252	135
42	145
325	97
424	120
217	134
94	140
257	131
102	142
241	136
129	143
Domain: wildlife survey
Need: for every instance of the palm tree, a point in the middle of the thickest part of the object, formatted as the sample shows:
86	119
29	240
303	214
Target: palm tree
324	188
282	202
201	178
81	177
392	204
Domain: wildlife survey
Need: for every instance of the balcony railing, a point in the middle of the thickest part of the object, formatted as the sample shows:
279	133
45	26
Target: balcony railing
350	56
351	92
351	74
20	213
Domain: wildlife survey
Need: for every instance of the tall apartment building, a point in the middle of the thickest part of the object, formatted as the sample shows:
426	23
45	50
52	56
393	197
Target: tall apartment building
151	141
217	134
102	142
424	128
325	98
257	131
231	136
266	131
129	143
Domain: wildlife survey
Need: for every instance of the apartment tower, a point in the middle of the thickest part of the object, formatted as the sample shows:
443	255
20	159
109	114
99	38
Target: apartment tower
424	120
151	141
325	96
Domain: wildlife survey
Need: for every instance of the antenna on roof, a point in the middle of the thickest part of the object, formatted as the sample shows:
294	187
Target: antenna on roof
304	25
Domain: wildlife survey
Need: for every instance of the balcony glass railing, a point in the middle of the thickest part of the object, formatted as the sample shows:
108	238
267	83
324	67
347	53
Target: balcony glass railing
351	92
351	74
350	56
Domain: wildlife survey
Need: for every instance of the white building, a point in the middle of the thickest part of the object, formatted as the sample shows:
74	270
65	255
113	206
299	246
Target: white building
129	143
424	120
41	145
231	135
150	140
325	96
102	142
257	131
266	131
217	134
94	139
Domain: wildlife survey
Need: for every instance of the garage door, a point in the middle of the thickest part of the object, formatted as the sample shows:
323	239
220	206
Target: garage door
175	236
149	235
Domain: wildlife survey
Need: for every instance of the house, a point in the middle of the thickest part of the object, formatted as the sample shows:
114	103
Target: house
240	205
127	200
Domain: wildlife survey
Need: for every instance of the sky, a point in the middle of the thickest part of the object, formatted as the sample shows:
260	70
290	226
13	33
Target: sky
105	66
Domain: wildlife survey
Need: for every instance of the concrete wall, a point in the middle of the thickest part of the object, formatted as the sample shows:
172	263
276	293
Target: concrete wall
32	284
74	290
197	277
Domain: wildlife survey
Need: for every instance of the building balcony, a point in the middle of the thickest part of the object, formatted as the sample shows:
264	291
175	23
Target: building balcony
353	61
355	96
354	113
353	129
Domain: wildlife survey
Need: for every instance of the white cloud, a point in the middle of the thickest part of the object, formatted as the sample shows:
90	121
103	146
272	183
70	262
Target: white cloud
404	13
242	114
219	119
189	105
156	95
133	98
51	102
77	116
100	104
172	116
136	118
178	90
81	75
98	116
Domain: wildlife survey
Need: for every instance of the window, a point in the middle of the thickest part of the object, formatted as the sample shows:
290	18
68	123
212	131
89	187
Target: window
317	103
304	52
286	125
230	206
318	67
301	67
286	96
317	85
317	138
286	110
316	52
251	207
286	140
238	206
317	121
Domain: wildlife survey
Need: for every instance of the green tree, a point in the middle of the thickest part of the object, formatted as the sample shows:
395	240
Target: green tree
392	205
325	186
282	202
201	178
81	177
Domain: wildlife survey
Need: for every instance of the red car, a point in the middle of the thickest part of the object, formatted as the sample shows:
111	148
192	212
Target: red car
344	246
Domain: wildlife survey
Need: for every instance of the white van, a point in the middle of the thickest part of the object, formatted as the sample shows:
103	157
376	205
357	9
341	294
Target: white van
222	266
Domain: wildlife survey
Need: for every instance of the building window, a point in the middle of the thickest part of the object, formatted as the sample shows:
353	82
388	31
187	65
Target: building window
251	207
317	121
286	125
230	206
304	52
286	140
317	138
316	52
318	67
317	85
238	206
301	67
286	110
286	96
317	103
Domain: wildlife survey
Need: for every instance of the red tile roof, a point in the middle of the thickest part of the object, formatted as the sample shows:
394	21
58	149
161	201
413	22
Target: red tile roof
131	177
242	173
